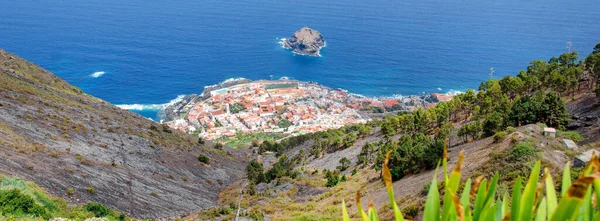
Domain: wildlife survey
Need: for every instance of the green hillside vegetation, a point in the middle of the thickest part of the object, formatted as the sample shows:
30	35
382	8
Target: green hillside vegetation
535	199
532	96
20	200
415	140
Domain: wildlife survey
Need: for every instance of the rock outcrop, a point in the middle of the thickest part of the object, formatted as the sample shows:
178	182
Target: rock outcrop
305	41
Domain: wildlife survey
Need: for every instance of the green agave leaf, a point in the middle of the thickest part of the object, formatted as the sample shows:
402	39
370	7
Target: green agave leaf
480	200
570	204
455	175
491	191
373	212
597	192
529	193
362	213
488	213
566	179
550	194
587	211
516	204
344	212
464	198
505	207
432	204
542	211
387	177
447	205
499	210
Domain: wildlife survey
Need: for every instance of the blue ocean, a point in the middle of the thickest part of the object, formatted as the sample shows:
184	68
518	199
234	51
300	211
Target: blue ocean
149	52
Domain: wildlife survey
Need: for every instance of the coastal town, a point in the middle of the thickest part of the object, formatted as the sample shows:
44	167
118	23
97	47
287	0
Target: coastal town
281	106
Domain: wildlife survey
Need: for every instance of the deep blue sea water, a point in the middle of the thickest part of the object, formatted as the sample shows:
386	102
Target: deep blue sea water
152	51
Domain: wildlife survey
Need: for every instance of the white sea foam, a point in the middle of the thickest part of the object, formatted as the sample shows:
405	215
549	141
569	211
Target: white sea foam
155	107
97	74
439	88
454	92
282	42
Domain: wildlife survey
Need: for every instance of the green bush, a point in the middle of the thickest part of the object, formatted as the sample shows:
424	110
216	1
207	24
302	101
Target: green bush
510	130
412	210
332	179
573	135
499	136
13	202
97	209
522	150
203	158
218	146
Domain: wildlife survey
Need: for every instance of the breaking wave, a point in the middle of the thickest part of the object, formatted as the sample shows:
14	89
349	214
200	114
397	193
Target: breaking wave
454	92
97	74
142	107
282	42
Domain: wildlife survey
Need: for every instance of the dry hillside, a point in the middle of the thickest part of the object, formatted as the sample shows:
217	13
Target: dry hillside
61	138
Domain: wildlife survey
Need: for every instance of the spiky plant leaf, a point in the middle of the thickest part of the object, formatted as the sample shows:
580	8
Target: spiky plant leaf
432	204
344	212
570	203
362	213
516	204
566	179
387	177
551	200
480	200
372	212
542	211
529	193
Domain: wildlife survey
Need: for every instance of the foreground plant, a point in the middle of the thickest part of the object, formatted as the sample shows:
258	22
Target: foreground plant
478	201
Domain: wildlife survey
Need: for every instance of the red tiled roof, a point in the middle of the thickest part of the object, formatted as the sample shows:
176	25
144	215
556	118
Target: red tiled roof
389	103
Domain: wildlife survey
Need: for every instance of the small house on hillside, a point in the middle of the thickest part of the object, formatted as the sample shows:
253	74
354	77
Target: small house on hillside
584	158
549	132
569	144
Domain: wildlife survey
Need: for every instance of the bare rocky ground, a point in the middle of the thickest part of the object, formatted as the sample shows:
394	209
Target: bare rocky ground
57	136
585	111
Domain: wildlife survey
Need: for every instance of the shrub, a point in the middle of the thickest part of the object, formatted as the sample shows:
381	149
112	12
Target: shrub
203	158
499	136
510	130
97	209
354	171
90	189
218	146
255	172
522	151
332	179
70	191
200	141
344	164
573	135
411	210
13	202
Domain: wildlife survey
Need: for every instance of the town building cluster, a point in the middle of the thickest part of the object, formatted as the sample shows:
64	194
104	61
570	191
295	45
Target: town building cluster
282	106
285	106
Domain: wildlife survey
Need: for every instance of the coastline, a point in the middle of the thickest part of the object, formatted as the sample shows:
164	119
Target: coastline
160	112
283	106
